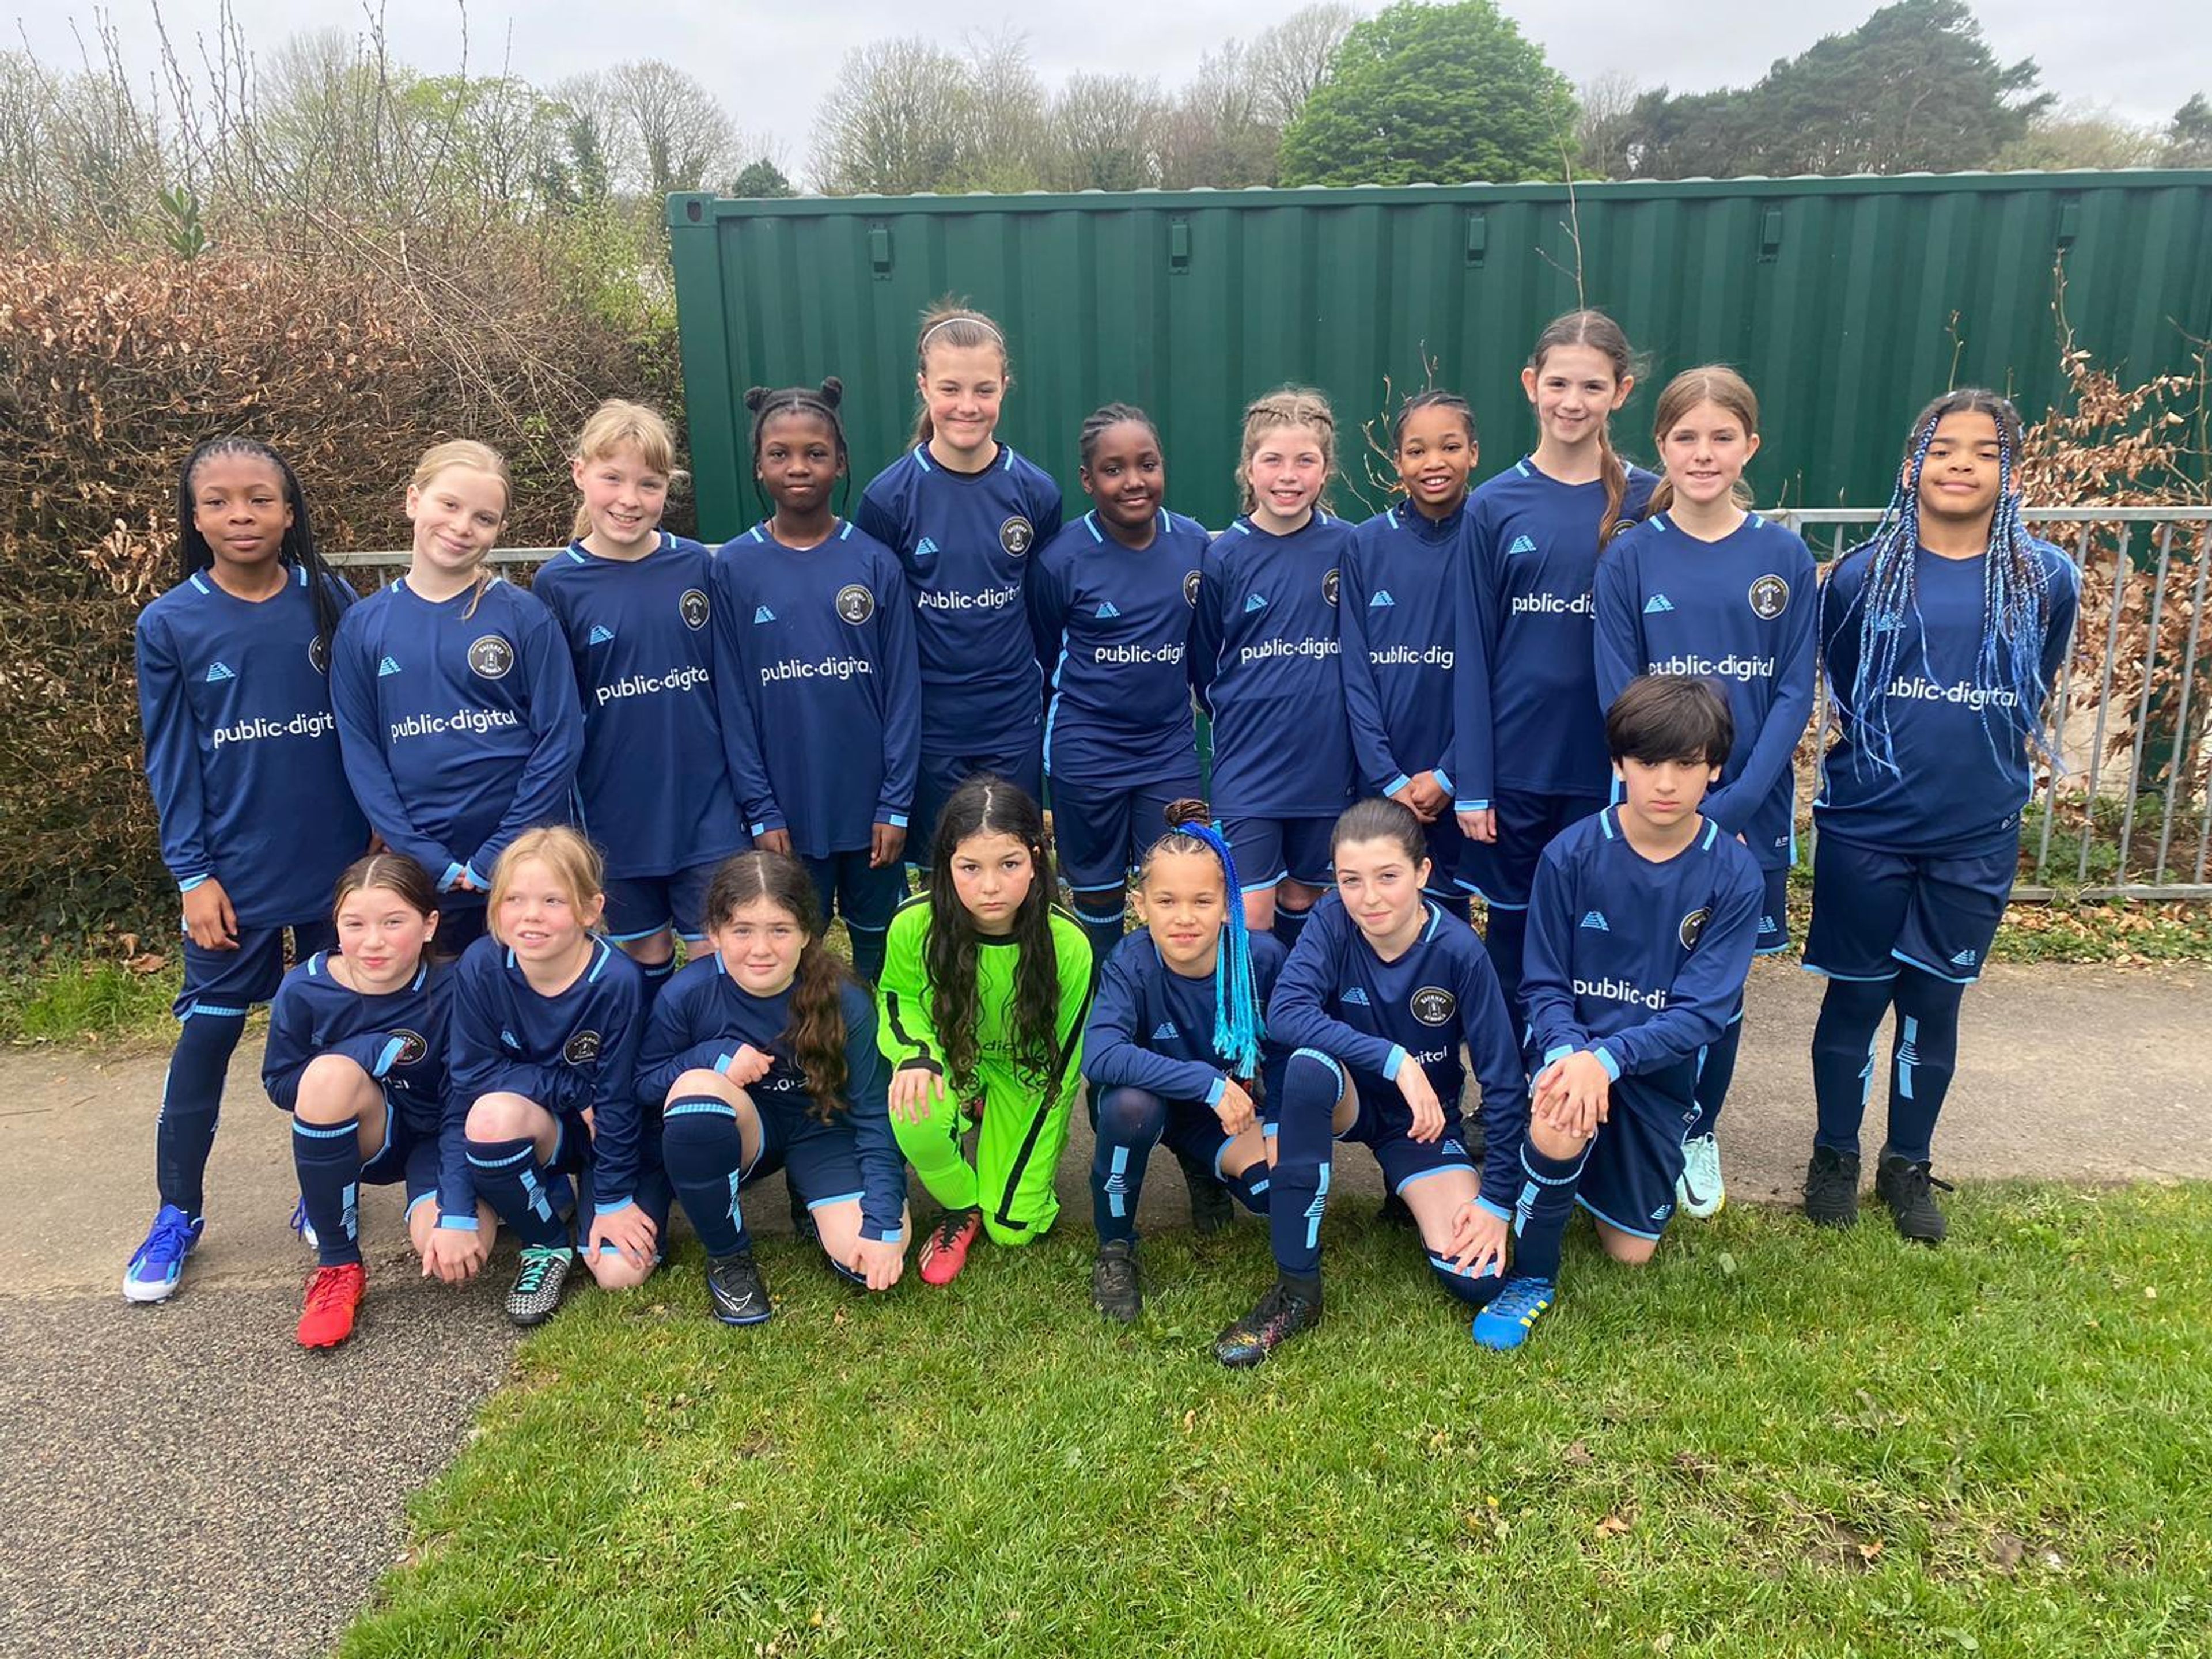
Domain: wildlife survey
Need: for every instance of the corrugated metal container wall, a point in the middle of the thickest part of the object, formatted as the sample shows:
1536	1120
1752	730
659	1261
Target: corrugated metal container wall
1847	302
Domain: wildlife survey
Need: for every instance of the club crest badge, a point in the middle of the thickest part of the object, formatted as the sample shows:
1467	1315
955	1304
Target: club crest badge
1433	1005
1190	589
1332	585
1770	597
1016	535
583	1048
412	1047
319	654
490	657
1694	928
856	605
694	606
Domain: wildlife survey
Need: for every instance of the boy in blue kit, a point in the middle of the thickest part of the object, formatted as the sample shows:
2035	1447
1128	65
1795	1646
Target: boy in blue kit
1528	739
1110	601
1378	1000
821	698
1705	588
243	762
455	696
1641	925
964	513
1264	659
1401	577
1942	637
632	601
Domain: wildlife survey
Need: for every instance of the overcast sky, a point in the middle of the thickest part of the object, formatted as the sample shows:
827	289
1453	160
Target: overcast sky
772	64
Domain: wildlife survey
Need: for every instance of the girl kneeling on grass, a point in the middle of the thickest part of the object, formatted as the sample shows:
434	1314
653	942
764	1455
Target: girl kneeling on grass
357	1055
1176	1052
545	1026
986	984
764	1054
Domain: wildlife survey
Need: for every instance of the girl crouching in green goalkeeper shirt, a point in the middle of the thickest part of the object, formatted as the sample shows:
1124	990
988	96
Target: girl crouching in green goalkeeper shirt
985	988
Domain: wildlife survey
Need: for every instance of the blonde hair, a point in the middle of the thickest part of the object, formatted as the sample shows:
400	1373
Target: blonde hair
958	328
1287	406
617	425
574	862
1709	383
477	458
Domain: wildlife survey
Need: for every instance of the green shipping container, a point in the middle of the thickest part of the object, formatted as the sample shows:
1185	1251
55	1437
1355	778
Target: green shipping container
1848	302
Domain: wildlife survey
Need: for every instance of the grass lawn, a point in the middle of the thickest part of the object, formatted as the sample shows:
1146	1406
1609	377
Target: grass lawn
1769	1442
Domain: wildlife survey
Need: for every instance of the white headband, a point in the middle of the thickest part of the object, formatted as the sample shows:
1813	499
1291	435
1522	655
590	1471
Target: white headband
948	322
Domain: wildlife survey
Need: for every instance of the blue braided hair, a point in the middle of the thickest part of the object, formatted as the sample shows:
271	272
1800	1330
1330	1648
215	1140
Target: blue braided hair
2015	600
1237	1027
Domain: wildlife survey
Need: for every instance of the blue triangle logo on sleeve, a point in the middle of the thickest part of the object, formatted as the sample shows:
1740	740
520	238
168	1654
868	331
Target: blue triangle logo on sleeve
1596	919
1522	544
1166	1033
1106	609
1657	604
1356	994
763	614
219	671
387	666
1254	602
924	548
1382	598
602	635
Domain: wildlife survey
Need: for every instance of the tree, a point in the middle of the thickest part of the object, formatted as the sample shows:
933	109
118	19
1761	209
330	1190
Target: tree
680	136
2188	136
1290	61
1103	134
1442	94
1217	131
2081	136
1605	111
1913	89
760	178
1005	116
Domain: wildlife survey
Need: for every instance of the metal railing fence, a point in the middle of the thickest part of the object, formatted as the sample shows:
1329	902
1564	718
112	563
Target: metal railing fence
2131	724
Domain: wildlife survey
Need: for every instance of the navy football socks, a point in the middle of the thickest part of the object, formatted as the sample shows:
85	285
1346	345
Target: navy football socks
534	1203
1546	1205
1130	1122
1289	925
704	1152
1297	1191
328	1160
1925	1055
1843	1057
191	1103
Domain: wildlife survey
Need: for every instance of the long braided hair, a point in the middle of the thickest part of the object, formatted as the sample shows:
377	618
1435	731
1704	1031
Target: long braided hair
1237	1027
2015	597
298	551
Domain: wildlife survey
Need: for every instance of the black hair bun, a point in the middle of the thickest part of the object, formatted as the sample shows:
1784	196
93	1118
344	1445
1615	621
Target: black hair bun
1189	809
833	390
755	397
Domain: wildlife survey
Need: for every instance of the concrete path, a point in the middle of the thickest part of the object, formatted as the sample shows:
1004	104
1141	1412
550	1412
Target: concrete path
172	1465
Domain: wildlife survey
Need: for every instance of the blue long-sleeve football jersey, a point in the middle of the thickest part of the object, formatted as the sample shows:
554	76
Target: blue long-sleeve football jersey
1336	995
965	542
461	728
1642	963
1265	659
1527	666
1113	629
1961	770
1152	1027
399	1038
1399	623
242	752
701	1020
568	1052
821	690
1740	613
652	788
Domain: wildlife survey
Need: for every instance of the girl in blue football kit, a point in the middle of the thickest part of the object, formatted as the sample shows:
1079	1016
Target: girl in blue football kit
1264	655
821	695
761	1056
1377	1001
1111	600
1401	577
547	1016
456	697
653	789
964	513
1529	731
1175	1051
242	758
1940	638
357	1047
1705	588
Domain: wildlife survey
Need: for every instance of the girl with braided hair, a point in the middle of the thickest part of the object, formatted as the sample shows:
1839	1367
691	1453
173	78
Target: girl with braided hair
1940	638
1176	1052
820	697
